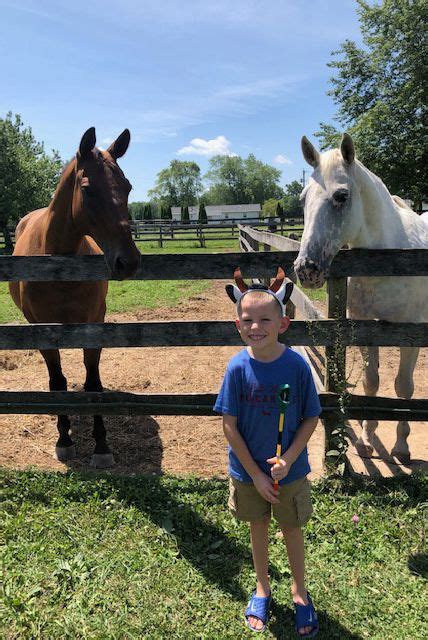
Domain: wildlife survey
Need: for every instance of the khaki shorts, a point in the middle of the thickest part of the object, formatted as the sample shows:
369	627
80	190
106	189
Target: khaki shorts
294	508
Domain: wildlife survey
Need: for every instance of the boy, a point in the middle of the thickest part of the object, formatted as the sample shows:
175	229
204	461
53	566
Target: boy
248	402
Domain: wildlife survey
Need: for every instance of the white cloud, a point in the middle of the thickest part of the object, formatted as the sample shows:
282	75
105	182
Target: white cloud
219	146
280	159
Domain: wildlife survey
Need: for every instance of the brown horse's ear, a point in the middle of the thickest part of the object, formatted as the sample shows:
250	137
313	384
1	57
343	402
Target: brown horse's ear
87	143
118	148
310	154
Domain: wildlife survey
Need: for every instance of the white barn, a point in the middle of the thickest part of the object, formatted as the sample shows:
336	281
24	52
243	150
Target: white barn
221	213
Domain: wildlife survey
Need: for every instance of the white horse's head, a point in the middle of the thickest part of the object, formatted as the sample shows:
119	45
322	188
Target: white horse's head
332	209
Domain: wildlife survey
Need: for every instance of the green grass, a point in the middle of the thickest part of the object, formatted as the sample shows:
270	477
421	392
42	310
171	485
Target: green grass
8	311
189	246
125	296
107	557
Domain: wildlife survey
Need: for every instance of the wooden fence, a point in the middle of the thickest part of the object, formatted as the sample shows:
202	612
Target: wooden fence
340	332
206	333
163	231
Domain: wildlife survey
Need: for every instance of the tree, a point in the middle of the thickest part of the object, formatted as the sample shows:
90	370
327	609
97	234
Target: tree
227	181
291	204
279	213
202	218
185	218
179	184
269	208
147	212
380	92
165	213
28	175
262	180
136	210
235	180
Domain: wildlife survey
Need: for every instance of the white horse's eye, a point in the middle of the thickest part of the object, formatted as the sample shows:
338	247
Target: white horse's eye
340	196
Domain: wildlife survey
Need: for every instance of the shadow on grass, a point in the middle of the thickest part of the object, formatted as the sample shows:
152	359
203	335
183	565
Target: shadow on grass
282	623
191	512
418	565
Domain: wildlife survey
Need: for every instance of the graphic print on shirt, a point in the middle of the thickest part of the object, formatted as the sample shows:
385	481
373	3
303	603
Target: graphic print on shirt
261	396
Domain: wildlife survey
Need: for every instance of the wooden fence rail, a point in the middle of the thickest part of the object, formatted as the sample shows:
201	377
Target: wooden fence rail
348	262
198	404
205	333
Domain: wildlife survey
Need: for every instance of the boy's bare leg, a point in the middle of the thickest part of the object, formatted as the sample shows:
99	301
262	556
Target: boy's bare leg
293	537
259	545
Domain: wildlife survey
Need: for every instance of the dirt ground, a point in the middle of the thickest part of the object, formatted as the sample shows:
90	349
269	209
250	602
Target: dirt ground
174	444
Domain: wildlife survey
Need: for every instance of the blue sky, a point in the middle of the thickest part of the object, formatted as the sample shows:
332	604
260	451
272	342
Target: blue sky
189	79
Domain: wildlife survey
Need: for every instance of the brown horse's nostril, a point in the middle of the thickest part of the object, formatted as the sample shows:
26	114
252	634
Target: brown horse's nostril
124	268
119	266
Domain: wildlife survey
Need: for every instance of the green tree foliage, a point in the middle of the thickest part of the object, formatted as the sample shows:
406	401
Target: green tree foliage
136	210
165	213
28	175
291	205
185	218
147	212
279	210
202	218
179	184
269	208
380	90
236	180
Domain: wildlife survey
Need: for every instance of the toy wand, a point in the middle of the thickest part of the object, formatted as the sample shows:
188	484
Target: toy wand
283	399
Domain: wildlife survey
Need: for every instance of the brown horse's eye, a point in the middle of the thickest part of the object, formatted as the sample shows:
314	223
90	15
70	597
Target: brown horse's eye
88	192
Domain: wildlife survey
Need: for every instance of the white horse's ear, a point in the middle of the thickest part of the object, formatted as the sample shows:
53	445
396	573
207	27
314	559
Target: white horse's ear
347	148
303	194
310	154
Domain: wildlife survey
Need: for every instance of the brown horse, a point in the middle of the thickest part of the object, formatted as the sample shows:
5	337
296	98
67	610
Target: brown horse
87	215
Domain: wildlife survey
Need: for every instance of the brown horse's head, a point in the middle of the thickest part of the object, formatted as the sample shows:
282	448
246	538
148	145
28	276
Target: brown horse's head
100	202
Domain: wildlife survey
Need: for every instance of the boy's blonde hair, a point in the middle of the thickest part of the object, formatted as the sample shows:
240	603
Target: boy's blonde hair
261	295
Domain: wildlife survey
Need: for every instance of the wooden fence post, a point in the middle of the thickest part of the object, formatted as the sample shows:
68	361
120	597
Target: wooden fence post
160	236
335	376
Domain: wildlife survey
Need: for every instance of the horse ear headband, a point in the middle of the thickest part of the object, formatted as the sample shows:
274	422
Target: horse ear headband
278	290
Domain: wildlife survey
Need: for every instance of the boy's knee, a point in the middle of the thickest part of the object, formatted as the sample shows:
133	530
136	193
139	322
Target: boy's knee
262	521
291	531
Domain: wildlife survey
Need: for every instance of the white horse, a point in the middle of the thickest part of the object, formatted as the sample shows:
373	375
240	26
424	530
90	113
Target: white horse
346	204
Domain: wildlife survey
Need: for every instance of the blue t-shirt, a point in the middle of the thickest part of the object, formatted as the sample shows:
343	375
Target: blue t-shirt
249	392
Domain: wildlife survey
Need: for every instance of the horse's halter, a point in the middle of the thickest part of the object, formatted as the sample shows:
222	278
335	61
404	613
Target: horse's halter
278	290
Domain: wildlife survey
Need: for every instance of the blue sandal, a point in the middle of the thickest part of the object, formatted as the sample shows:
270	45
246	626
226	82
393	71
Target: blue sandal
259	608
306	617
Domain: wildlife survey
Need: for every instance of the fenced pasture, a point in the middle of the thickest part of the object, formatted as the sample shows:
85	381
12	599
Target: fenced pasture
311	332
161	233
107	556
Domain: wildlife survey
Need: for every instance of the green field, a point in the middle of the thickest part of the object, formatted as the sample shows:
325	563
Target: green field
105	557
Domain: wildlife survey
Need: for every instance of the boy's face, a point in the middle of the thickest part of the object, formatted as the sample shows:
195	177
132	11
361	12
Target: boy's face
260	321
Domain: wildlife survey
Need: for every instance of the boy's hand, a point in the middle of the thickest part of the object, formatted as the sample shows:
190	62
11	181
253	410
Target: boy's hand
280	467
264	486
